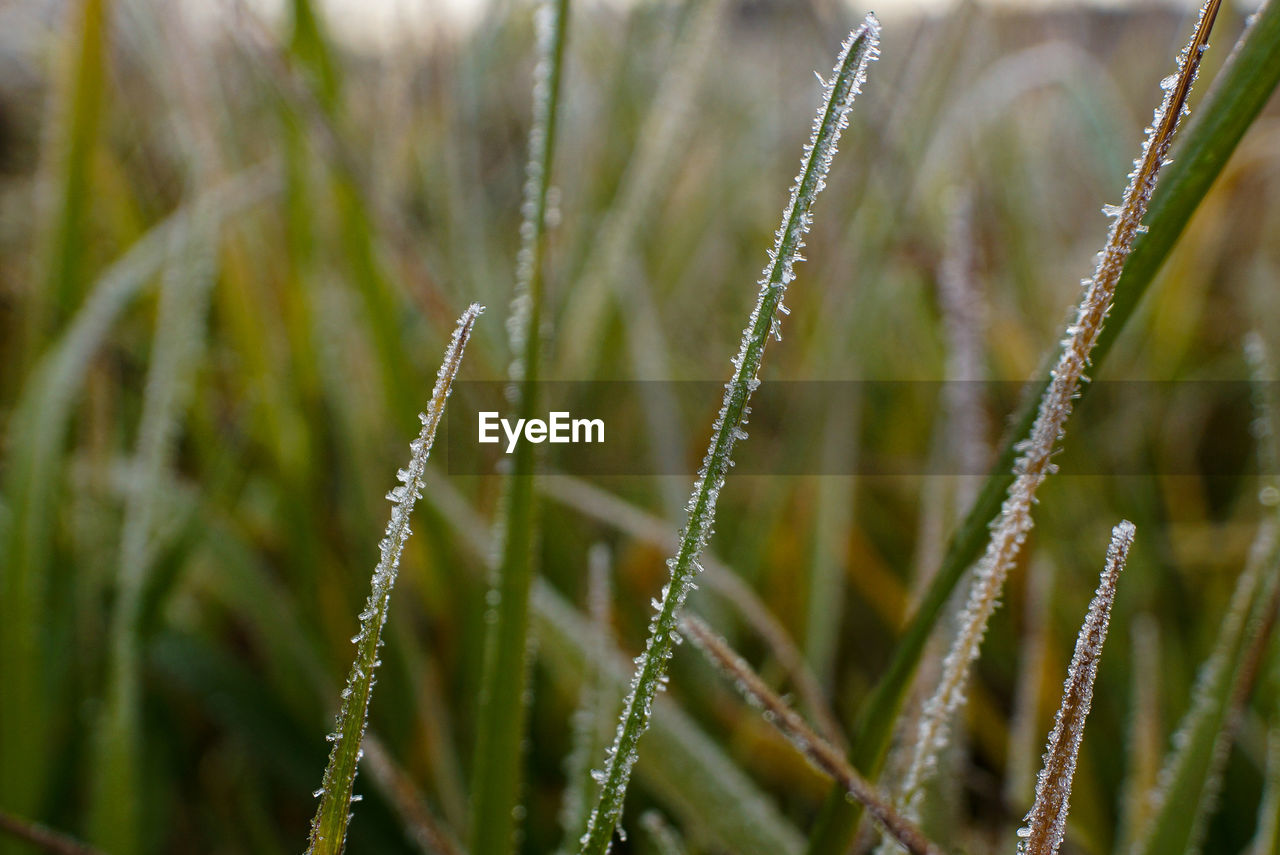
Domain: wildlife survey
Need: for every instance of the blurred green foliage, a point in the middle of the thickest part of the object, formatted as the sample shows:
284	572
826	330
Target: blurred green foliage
359	199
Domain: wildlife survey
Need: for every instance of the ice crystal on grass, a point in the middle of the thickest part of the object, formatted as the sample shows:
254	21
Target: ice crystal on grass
1034	463
328	829
1047	820
858	50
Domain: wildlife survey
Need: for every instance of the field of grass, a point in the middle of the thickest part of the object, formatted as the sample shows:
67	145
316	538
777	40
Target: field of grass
233	250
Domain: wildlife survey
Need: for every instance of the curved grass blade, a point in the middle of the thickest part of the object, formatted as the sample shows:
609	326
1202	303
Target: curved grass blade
179	341
500	729
1047	821
1240	91
850	71
329	828
37	429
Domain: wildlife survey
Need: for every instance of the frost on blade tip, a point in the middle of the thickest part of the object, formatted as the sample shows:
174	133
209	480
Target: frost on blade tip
1047	820
328	829
832	117
1011	527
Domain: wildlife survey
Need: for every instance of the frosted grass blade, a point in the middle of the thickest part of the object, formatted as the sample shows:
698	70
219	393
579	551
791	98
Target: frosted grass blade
847	77
329	828
1047	821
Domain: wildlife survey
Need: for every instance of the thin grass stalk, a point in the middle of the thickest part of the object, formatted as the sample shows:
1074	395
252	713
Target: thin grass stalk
1266	839
648	174
1047	820
45	839
593	719
115	813
1024	745
1145	736
504	680
423	828
329	828
824	757
179	337
850	71
24	739
1029	459
78	129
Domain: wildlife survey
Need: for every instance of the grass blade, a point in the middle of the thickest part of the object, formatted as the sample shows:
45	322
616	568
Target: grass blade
1047	821
500	729
67	256
666	840
814	748
1241	90
329	828
850	70
1188	785
43	838
685	769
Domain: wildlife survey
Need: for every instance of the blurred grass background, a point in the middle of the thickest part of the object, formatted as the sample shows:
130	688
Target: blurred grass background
200	509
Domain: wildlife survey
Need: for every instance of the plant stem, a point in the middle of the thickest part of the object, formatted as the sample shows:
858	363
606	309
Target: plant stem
495	789
816	750
850	71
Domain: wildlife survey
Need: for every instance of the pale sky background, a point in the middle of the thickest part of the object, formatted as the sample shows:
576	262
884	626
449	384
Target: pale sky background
384	22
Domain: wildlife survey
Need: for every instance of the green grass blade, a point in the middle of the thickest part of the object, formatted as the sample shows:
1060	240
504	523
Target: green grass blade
685	769
1188	784
858	51
67	258
1240	91
1189	781
329	828
500	730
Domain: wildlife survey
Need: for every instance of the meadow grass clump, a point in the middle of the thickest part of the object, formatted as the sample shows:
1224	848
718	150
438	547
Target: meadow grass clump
231	242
